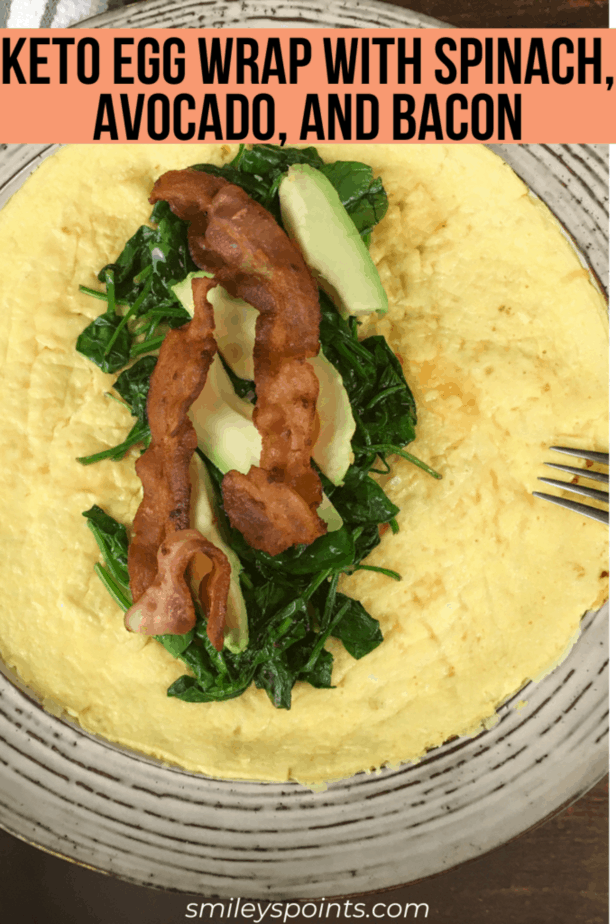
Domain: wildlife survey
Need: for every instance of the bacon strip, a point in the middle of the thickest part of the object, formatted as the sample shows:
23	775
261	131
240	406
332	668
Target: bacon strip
167	607
236	239
178	378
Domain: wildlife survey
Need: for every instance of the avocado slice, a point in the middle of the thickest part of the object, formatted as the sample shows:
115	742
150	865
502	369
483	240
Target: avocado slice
202	518
183	290
235	334
227	435
236	323
223	422
332	449
315	218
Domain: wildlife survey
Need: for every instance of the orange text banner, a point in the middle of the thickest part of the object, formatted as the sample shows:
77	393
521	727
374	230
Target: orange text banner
290	86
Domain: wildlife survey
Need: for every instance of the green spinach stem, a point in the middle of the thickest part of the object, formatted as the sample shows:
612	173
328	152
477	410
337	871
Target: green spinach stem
129	314
396	451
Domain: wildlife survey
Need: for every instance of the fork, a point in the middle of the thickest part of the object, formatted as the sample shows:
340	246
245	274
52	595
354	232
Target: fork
601	458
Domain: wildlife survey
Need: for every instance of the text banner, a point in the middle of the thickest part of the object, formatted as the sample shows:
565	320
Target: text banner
290	86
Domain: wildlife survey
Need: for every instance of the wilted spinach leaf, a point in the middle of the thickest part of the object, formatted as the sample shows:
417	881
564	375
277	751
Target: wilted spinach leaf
134	384
361	500
104	342
176	645
112	540
362	195
359	632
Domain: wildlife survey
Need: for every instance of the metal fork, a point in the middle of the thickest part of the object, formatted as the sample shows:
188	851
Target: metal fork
601	458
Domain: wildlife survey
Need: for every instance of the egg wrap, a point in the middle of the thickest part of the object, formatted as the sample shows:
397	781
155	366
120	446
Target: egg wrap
503	340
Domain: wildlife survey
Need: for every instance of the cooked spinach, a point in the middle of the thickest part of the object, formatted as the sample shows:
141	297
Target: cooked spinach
359	632
133	385
105	341
139	435
140	280
112	540
360	192
287	638
292	598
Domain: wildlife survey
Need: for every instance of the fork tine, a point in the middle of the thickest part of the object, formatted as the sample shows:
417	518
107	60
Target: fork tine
595	494
582	472
592	512
601	458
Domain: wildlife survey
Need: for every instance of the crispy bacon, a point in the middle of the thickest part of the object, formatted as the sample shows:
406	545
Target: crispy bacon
236	239
166	606
178	378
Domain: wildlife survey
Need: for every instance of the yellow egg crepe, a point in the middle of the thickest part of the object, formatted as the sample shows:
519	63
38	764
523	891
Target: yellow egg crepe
504	343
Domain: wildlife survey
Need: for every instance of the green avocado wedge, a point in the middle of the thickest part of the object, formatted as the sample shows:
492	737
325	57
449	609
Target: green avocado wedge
315	218
225	431
332	450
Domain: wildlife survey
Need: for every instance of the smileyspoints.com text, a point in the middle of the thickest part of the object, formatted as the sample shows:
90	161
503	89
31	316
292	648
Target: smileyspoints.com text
260	912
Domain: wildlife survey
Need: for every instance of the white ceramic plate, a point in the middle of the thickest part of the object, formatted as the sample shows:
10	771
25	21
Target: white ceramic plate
118	812
87	800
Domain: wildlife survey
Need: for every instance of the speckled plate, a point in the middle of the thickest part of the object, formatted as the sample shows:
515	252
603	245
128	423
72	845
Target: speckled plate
116	811
260	14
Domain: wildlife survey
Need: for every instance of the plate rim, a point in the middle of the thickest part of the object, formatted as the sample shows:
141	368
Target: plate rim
415	20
